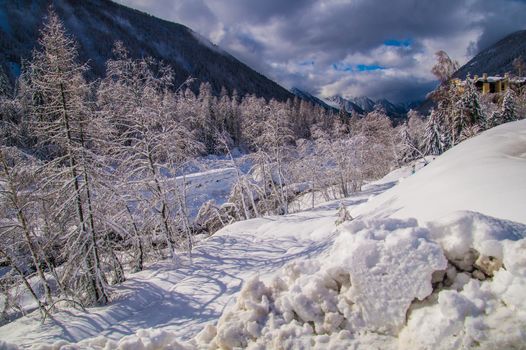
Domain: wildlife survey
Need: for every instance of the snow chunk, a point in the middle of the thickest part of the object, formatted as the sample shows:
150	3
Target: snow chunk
389	269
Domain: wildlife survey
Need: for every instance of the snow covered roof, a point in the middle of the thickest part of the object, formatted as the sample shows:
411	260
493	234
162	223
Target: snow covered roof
491	79
497	78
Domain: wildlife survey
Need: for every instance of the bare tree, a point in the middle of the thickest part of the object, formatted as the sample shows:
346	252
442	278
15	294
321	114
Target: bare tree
61	119
20	217
445	66
152	143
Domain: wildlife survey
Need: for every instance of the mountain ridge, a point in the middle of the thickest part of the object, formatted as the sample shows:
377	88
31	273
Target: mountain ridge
498	58
97	24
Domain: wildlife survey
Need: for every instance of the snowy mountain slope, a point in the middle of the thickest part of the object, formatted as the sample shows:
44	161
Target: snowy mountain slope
484	174
496	59
348	105
364	102
364	105
431	263
97	24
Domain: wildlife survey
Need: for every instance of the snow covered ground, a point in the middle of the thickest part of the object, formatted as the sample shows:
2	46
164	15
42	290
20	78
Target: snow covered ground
435	262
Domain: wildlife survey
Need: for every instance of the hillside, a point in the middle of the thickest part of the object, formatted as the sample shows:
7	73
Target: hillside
496	59
432	260
97	24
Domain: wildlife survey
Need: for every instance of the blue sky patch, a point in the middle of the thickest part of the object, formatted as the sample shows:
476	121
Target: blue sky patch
398	43
342	67
365	67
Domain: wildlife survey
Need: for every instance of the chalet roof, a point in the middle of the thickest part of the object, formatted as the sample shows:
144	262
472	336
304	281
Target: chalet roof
497	78
490	79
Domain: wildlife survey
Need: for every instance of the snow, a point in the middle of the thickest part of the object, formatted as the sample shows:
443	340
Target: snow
431	260
202	186
483	174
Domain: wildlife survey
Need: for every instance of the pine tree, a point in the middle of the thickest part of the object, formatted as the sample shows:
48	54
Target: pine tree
443	117
509	107
433	137
408	148
468	116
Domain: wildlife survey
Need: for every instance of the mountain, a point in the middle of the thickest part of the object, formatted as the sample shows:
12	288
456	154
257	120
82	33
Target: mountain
364	102
347	104
312	99
364	105
391	109
97	24
496	59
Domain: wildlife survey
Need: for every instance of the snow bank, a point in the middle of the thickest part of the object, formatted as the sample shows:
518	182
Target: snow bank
381	273
485	174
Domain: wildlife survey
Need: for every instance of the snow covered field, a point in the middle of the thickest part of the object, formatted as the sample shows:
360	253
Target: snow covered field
436	261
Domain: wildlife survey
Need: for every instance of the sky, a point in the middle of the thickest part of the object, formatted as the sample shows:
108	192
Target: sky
351	48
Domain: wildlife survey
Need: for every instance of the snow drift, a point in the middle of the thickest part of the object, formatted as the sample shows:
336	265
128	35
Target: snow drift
486	174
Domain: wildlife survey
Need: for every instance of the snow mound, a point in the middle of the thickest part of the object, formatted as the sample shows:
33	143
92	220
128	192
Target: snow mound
390	278
485	174
367	282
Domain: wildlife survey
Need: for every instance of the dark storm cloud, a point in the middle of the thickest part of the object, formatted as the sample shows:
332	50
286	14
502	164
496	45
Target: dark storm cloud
277	37
500	18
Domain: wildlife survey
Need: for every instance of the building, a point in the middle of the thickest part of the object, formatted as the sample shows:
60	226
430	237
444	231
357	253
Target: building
497	84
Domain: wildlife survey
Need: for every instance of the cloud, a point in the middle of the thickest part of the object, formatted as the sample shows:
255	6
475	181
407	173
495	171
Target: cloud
382	48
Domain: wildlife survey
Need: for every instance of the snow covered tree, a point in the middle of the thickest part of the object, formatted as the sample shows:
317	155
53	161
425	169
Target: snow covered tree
507	112
445	66
408	148
18	208
416	126
61	119
152	143
509	107
378	145
433	137
273	146
468	117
